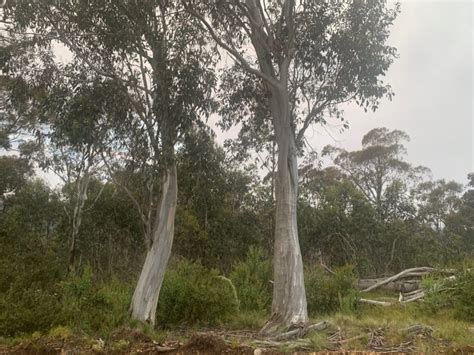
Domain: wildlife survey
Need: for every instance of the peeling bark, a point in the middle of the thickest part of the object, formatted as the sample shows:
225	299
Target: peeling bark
289	305
145	297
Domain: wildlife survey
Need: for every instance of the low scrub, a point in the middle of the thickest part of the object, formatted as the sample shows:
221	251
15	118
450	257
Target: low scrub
191	293
93	307
326	292
251	278
455	294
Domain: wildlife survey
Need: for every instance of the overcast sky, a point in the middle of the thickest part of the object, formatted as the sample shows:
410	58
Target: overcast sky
433	83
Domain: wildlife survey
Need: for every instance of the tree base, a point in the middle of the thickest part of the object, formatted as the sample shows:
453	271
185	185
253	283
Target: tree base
278	324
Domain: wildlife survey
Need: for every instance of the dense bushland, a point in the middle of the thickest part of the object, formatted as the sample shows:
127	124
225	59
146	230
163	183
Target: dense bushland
221	271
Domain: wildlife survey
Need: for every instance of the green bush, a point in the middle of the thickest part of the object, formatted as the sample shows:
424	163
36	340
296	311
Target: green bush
27	310
436	298
454	293
326	292
93	308
251	278
29	295
464	296
191	293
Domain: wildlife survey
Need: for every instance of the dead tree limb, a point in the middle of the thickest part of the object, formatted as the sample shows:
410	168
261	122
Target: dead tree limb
375	302
399	276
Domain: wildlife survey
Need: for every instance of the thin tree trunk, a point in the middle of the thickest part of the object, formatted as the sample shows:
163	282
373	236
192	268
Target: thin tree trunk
145	297
289	297
80	199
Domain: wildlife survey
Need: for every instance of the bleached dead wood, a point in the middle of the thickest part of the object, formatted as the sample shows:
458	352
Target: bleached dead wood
402	285
375	302
398	276
415	297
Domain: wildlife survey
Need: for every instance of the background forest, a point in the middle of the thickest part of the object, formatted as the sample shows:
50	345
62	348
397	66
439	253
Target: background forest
369	214
119	209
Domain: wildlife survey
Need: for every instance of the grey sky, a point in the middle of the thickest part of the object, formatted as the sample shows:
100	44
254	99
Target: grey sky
432	80
433	83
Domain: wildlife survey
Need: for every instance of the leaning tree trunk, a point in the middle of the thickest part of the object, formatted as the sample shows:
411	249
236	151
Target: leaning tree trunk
289	297
145	297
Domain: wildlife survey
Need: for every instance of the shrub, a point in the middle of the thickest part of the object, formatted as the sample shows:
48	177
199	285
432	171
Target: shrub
251	278
456	294
191	293
29	299
327	293
91	307
464	296
436	298
25	310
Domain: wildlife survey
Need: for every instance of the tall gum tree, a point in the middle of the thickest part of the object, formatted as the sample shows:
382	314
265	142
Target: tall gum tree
154	50
379	169
308	57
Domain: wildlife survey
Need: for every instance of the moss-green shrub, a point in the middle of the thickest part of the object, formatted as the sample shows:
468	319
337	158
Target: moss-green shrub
27	310
436	298
326	292
29	296
454	293
93	307
191	293
251	278
464	296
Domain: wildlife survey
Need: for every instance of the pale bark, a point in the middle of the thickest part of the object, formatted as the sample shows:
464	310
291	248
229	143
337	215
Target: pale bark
289	305
82	185
419	271
145	297
289	297
403	285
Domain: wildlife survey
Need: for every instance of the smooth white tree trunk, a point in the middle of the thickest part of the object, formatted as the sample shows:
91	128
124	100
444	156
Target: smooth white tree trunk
289	305
145	297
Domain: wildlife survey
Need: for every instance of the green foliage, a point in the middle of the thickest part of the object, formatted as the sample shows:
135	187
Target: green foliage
192	293
92	307
327	293
436	298
251	278
27	309
13	173
464	299
455	293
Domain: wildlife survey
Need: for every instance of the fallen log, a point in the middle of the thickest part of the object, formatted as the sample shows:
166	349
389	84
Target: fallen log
398	276
415	297
375	302
395	286
414	292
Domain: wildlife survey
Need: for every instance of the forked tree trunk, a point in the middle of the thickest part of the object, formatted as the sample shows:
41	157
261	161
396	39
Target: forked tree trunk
289	297
145	297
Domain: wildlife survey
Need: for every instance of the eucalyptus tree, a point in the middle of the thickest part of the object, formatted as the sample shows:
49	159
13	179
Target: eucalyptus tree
380	170
307	58
437	200
75	117
154	50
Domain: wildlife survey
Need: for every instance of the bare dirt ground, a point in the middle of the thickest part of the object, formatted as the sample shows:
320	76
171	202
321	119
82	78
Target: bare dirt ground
129	341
